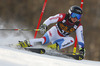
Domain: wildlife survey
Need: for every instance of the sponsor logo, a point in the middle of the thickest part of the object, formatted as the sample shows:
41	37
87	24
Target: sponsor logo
79	11
67	43
65	28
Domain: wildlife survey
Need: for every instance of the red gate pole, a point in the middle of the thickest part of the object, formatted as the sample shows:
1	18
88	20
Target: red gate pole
40	17
74	50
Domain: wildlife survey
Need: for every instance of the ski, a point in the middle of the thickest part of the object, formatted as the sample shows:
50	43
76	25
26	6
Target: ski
77	57
43	51
36	50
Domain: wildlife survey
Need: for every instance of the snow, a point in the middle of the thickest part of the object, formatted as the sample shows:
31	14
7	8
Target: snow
14	57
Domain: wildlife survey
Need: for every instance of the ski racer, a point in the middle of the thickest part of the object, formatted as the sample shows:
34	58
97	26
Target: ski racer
58	35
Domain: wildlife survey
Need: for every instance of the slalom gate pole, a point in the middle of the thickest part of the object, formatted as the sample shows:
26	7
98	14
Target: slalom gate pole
74	49
40	17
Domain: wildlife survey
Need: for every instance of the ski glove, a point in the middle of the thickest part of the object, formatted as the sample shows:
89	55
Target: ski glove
43	28
82	51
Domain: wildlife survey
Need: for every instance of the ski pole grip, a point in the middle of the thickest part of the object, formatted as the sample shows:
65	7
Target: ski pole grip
37	29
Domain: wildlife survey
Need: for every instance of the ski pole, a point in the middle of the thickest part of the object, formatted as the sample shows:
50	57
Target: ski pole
40	17
22	29
74	49
37	29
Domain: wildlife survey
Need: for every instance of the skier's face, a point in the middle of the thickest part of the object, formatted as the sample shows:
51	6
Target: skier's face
74	19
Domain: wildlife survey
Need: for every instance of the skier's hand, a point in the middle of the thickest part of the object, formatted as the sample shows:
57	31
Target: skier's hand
43	28
82	51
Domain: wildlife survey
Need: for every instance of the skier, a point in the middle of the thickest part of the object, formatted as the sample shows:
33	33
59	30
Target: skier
58	35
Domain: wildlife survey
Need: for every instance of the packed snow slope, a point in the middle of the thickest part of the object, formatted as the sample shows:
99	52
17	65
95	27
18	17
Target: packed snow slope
15	57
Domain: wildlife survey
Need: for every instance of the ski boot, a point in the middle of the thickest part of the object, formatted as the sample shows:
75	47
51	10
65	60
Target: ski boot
82	51
23	44
54	46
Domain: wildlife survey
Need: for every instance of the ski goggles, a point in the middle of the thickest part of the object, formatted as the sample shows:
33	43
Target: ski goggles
78	16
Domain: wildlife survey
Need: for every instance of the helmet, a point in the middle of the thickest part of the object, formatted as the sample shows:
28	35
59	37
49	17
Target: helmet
75	9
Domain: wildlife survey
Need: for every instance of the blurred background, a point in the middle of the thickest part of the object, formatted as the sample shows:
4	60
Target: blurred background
25	14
